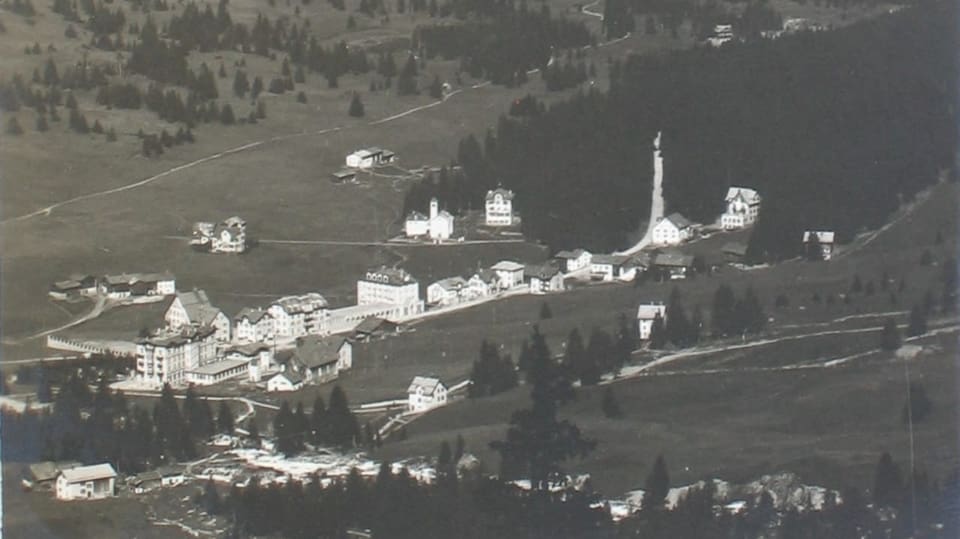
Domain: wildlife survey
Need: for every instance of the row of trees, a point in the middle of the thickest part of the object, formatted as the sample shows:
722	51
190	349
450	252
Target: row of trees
333	425
102	426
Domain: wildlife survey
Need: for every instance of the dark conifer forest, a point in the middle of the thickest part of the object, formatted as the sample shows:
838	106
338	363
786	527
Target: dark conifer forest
835	129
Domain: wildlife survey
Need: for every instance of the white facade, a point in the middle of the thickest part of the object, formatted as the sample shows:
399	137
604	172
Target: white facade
87	483
217	372
258	356
253	325
510	273
438	226
297	316
447	291
230	236
425	393
194	309
388	286
544	279
672	230
743	208
369	157
646	314
499	208
166	358
484	283
283	381
575	260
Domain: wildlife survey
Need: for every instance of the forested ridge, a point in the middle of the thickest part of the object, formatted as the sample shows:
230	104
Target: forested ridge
835	129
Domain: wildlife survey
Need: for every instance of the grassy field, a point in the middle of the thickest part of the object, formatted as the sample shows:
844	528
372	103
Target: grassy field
828	425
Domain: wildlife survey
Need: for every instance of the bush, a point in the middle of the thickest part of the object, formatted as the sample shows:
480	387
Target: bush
13	127
301	97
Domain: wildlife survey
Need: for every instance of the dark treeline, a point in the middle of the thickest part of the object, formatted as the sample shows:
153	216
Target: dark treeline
101	426
333	425
503	42
835	144
581	172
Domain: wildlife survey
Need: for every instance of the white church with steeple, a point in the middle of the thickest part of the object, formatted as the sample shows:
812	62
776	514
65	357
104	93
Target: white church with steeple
438	226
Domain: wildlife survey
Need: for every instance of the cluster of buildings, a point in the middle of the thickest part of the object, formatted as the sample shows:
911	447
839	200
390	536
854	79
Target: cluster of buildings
505	275
71	480
199	344
722	34
119	286
742	211
229	236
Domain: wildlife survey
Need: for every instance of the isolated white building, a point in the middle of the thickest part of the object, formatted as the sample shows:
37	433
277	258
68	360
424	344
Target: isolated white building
498	207
426	392
87	483
369	157
646	314
672	230
230	236
743	208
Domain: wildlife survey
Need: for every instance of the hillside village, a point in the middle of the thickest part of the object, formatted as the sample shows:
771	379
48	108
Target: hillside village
627	307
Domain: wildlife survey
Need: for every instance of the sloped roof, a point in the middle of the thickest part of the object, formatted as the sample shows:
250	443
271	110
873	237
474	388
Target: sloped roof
505	193
220	366
678	220
648	311
372	324
823	236
734	248
542	272
451	283
417	216
313	351
392	276
89	473
303	303
248	349
749	196
576	253
48	470
253	315
613	260
428	384
292	377
198	307
673	259
486	275
507	265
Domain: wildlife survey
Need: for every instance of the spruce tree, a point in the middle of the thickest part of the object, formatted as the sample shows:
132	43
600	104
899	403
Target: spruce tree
610	405
888	487
356	106
890	335
657	486
225	421
344	428
545	312
918	321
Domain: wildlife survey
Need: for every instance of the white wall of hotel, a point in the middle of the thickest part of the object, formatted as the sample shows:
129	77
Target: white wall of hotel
347	318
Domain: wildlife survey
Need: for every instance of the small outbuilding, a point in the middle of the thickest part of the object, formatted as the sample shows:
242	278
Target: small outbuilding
426	392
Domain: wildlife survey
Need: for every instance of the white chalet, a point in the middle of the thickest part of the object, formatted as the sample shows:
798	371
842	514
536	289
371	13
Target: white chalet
87	483
285	381
499	207
485	282
510	273
425	392
447	291
296	316
438	226
574	260
646	314
230	236
194	309
610	267
672	230
543	279
743	207
258	356
253	325
823	238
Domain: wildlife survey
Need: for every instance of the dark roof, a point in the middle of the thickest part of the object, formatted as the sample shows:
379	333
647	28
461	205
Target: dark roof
679	220
373	324
47	470
292	377
505	193
253	315
734	248
313	351
673	260
391	276
542	272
